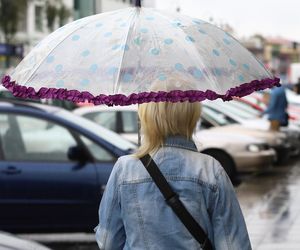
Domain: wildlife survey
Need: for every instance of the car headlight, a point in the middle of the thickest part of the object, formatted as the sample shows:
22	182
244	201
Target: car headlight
253	148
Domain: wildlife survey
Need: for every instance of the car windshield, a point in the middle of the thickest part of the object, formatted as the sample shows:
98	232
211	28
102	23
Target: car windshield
245	108
216	116
100	131
233	109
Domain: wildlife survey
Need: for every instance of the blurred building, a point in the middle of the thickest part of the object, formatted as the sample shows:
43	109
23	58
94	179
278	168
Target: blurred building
33	27
41	17
275	52
83	8
109	5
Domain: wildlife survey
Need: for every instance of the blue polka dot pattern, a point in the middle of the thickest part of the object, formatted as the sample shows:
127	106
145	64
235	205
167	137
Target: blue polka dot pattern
168	41
125	47
179	66
190	39
106	53
246	66
127	77
114	47
58	68
112	70
50	59
60	83
197	73
75	38
216	52
197	21
137	41
226	41
85	82
232	62
108	34
85	53
241	78
149	18
154	51
162	77
202	31
93	68
176	24
143	30
217	71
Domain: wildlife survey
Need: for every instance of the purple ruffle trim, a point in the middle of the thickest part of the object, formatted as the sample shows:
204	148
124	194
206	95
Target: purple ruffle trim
119	99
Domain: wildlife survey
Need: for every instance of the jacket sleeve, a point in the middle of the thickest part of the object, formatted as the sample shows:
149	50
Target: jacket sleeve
229	228
110	234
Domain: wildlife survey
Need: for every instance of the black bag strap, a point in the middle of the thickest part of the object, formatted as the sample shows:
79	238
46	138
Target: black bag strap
175	203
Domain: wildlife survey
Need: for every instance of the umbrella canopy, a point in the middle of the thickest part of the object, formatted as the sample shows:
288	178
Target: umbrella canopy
114	58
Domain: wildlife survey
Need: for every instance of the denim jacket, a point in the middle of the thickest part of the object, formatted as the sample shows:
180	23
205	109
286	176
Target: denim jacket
134	215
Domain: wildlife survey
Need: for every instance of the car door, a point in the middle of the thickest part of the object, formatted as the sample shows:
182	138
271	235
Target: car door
104	160
41	187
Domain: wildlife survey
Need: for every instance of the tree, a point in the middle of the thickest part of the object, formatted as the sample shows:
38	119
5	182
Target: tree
55	9
11	13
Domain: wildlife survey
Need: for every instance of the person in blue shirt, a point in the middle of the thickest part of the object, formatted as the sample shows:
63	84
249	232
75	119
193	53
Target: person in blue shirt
133	214
277	108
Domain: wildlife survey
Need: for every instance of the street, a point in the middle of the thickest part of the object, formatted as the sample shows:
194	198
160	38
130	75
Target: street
271	207
270	203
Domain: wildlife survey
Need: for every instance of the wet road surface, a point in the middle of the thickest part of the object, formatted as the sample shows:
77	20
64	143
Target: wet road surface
271	206
270	203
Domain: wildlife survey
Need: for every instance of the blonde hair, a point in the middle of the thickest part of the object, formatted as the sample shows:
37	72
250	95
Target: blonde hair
162	119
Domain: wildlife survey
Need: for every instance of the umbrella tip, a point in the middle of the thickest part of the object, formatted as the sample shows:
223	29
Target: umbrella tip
137	3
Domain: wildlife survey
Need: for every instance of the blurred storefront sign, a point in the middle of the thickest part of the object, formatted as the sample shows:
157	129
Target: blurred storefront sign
11	50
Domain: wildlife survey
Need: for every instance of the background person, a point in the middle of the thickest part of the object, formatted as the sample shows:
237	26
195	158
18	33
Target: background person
276	108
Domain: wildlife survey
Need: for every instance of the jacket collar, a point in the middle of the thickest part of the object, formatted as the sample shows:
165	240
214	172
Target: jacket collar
180	142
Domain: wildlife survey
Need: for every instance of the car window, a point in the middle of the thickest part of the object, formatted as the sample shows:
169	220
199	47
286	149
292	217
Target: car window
245	108
218	117
98	152
130	121
234	110
105	119
34	139
104	133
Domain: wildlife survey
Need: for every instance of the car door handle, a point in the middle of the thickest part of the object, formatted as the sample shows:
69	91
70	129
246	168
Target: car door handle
11	170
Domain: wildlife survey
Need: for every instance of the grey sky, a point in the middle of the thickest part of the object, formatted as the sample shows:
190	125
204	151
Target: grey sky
267	17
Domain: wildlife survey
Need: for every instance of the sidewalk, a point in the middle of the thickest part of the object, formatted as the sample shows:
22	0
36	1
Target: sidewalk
271	206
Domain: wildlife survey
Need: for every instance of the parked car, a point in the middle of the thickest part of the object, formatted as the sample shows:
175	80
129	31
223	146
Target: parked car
120	119
282	141
11	242
234	152
54	166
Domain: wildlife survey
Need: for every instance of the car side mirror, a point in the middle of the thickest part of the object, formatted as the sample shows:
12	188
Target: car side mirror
78	153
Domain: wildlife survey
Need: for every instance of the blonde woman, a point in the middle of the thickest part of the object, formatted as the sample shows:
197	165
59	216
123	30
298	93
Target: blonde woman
133	213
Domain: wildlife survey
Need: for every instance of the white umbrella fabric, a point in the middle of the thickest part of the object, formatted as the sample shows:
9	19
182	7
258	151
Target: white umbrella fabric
114	58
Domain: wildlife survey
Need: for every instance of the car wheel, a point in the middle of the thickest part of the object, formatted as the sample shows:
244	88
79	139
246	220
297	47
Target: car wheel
226	162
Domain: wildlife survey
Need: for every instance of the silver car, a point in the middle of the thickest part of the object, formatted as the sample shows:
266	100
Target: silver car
236	152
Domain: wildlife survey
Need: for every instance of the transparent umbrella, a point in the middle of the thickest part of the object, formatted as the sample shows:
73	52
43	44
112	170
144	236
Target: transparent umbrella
114	58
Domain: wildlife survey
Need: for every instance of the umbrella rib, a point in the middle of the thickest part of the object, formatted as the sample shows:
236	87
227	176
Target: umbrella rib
41	62
117	84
